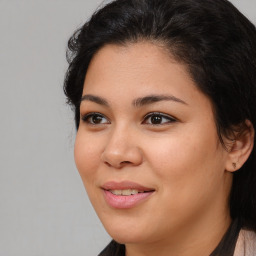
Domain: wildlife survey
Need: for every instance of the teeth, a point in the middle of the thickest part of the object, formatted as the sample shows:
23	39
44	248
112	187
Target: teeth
134	191
125	192
116	192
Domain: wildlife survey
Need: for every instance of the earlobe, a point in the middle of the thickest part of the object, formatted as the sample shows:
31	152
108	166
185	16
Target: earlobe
240	148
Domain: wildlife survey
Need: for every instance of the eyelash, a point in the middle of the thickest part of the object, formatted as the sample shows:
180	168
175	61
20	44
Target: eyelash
86	118
169	119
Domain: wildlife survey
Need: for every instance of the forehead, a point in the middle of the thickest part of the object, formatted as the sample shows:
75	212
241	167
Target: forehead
134	63
137	69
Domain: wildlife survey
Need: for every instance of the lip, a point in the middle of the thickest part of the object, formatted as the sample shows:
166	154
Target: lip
112	185
125	202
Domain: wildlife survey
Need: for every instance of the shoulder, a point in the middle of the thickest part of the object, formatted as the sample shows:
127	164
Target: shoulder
246	243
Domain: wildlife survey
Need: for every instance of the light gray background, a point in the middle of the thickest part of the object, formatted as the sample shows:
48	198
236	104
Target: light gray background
44	210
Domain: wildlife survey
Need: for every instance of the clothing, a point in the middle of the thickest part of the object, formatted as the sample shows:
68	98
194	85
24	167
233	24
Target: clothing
246	243
236	241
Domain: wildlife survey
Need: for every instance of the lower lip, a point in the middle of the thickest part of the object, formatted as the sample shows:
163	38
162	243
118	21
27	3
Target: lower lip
125	202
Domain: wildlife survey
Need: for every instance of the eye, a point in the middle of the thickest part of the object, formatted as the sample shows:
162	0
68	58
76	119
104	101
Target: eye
158	119
95	119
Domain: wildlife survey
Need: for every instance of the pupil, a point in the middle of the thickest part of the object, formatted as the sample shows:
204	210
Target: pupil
156	119
96	119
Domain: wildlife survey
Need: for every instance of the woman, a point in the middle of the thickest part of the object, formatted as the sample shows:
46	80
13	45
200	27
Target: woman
164	98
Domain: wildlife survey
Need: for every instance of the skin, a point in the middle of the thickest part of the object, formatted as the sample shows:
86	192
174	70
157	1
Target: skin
181	158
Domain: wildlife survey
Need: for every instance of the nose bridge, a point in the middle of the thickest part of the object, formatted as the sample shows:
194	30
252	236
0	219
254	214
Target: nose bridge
118	137
122	147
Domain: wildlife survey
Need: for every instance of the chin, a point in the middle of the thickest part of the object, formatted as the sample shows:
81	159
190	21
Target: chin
127	238
126	235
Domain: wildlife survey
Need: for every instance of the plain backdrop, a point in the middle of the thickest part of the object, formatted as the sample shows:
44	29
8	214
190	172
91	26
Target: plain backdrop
44	209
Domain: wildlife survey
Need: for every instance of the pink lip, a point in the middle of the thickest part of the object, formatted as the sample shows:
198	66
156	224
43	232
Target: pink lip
113	185
125	202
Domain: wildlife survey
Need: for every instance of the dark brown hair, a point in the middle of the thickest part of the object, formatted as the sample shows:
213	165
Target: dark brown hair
216	43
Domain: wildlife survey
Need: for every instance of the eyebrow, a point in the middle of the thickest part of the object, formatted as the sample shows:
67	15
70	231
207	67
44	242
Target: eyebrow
139	102
156	98
95	99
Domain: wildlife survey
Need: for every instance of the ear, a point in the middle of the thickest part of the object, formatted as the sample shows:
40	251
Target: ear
241	148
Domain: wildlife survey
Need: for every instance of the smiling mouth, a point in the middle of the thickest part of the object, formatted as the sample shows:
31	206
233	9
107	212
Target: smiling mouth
126	198
127	192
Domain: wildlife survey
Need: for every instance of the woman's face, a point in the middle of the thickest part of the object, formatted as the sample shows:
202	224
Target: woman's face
147	148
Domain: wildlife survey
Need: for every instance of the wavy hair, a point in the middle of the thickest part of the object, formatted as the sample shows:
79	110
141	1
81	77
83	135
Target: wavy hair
212	39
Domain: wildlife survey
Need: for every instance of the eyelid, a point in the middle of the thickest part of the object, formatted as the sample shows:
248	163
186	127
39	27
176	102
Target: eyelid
170	119
85	117
166	116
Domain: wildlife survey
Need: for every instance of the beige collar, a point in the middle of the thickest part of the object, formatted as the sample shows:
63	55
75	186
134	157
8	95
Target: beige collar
246	243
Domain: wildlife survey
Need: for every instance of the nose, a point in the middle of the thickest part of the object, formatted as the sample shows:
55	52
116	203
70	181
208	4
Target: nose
122	150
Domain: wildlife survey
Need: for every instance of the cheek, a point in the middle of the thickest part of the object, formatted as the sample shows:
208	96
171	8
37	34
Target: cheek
87	156
186	162
189	174
169	154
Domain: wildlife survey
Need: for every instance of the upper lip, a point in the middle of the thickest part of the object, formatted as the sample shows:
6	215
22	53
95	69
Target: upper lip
113	185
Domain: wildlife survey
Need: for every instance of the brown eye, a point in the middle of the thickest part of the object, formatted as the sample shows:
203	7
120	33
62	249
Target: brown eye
95	119
158	119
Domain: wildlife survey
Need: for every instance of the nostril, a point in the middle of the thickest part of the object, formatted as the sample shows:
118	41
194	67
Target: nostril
108	164
125	162
121	164
117	165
